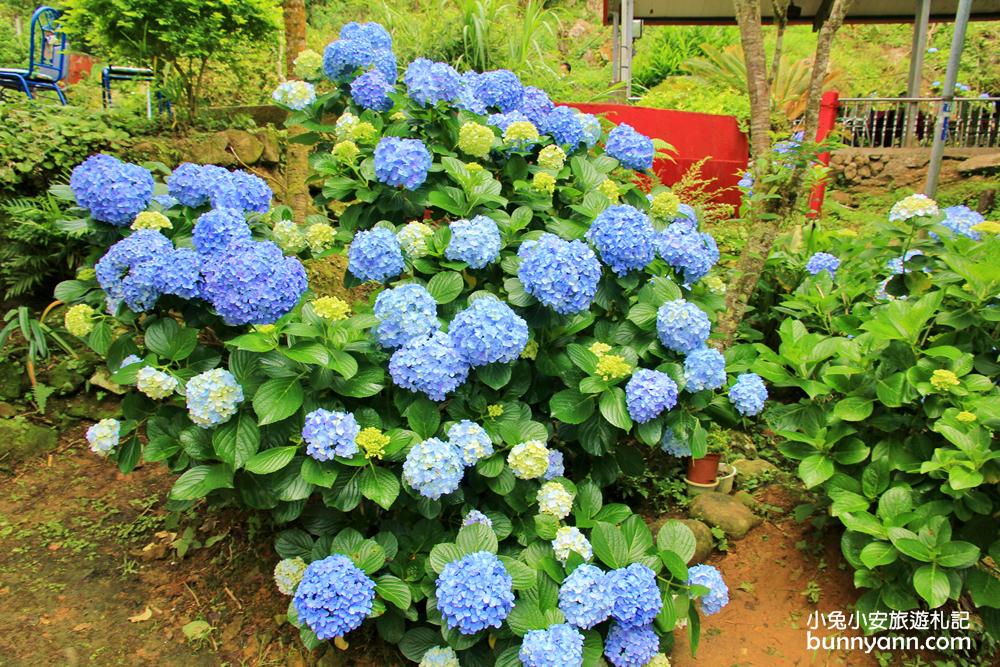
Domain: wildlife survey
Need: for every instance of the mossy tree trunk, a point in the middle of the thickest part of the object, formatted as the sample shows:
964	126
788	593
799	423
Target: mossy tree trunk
296	155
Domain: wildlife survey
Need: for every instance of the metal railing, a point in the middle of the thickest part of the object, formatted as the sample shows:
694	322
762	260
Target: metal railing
905	122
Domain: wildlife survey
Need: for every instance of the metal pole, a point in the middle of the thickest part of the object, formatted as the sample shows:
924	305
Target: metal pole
626	57
947	97
917	49
615	55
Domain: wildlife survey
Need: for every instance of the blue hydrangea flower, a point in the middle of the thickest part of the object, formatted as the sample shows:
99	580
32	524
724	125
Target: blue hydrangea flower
960	220
475	516
624	238
334	597
140	247
371	91
558	646
503	120
687	212
467	98
823	261
430	365
165	201
179	273
475	593
488	331
213	397
104	436
359	49
591	129
253	283
746	183
686	249
372	33
682	326
635	596
404	313
585	597
633	150
561	274
216	230
631	646
535	105
434	468
328	434
191	183
375	254
896	264
140	288
704	369
475	242
710	578
500	89
112	191
748	394
557	467
129	360
471	441
648	393
428	82
564	126
402	162
671	445
242	191
296	95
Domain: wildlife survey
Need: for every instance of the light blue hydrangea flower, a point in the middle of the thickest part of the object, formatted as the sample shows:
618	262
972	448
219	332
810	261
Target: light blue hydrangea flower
503	120
140	289
561	274
500	89
253	283
710	578
591	129
671	445
682	326
467	98
216	230
112	191
564	126
704	369
428	82
104	436
557	467
648	393
440	657
288	573
624	238
535	105
475	242
687	250
242	191
404	313
165	201
475	593
631	646
155	383
371	91
636	598
632	149
823	261
585	597
329	434
558	646
748	394
896	264
489	331
569	540
430	365
334	597
296	95
960	220
141	247
687	212
375	254
433	468
129	360
402	162
213	397
178	272
373	34
475	516
359	48
192	183
471	441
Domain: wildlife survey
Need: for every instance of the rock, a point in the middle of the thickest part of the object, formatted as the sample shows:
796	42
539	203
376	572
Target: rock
7	410
841	197
21	439
246	146
67	376
101	379
86	406
980	164
754	468
743	443
725	512
272	145
13	381
211	149
703	539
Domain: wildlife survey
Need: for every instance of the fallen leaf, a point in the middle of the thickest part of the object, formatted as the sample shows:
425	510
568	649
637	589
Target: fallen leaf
340	643
142	616
196	630
82	626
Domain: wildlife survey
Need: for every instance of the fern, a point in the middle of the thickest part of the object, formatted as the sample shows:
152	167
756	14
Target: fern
34	250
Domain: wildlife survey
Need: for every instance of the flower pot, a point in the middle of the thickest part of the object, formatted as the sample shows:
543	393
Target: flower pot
727	475
705	469
696	488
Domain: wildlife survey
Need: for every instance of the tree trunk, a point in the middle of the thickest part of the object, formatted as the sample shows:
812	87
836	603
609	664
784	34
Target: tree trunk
296	155
752	39
781	22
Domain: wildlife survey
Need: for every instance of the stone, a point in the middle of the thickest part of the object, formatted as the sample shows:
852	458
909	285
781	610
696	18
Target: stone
86	406
67	376
271	141
13	381
210	149
724	512
841	197
20	439
754	468
742	442
101	379
703	539
7	410
246	146
980	164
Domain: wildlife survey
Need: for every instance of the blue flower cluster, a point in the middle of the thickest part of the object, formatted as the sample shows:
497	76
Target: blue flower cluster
334	597
213	397
404	313
430	364
634	594
585	597
704	369
960	220
371	91
748	394
467	98
682	326
896	265
503	120
127	271
535	105
557	468
476	242
746	183
823	261
488	331
242	191
631	646
328	434
375	254
434	468
558	646
561	274
111	190
648	393
671	445
428	82
218	229
710	578
591	129
564	126
296	95
500	89
402	162
471	441
361	46
624	237
633	150
475	516
686	249
191	183
179	273
475	593
253	283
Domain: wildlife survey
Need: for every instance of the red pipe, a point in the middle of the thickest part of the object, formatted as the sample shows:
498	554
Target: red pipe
827	121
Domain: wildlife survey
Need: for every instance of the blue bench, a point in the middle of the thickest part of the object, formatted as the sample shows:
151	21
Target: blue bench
46	58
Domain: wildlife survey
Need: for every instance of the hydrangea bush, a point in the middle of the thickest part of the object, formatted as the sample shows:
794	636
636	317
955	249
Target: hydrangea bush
442	457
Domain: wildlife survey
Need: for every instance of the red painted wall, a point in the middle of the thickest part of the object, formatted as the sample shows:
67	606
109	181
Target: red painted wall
694	136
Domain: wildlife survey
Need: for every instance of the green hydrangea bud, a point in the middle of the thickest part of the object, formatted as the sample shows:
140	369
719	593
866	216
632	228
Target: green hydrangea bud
320	236
609	189
665	205
475	139
552	157
345	152
544	182
309	65
288	236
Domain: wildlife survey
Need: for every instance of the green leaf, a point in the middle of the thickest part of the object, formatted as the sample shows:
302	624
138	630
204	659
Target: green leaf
236	441
418	641
369	556
588	501
610	545
393	590
932	585
476	537
320	473
271	460
293	543
199	481
380	486
958	554
526	616
571	407
985	588
614	409
815	469
677	537
166	338
442	554
853	408
878	553
423	417
277	399
895	501
524	576
445	286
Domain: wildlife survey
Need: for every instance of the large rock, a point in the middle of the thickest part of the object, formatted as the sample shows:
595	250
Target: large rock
210	149
13	381
703	539
269	138
68	375
980	164
725	512
754	468
246	146
86	406
20	439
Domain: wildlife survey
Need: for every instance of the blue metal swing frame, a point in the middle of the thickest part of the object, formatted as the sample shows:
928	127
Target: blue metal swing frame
46	58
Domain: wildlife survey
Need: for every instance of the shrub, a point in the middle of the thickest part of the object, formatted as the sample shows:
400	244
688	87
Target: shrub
453	498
